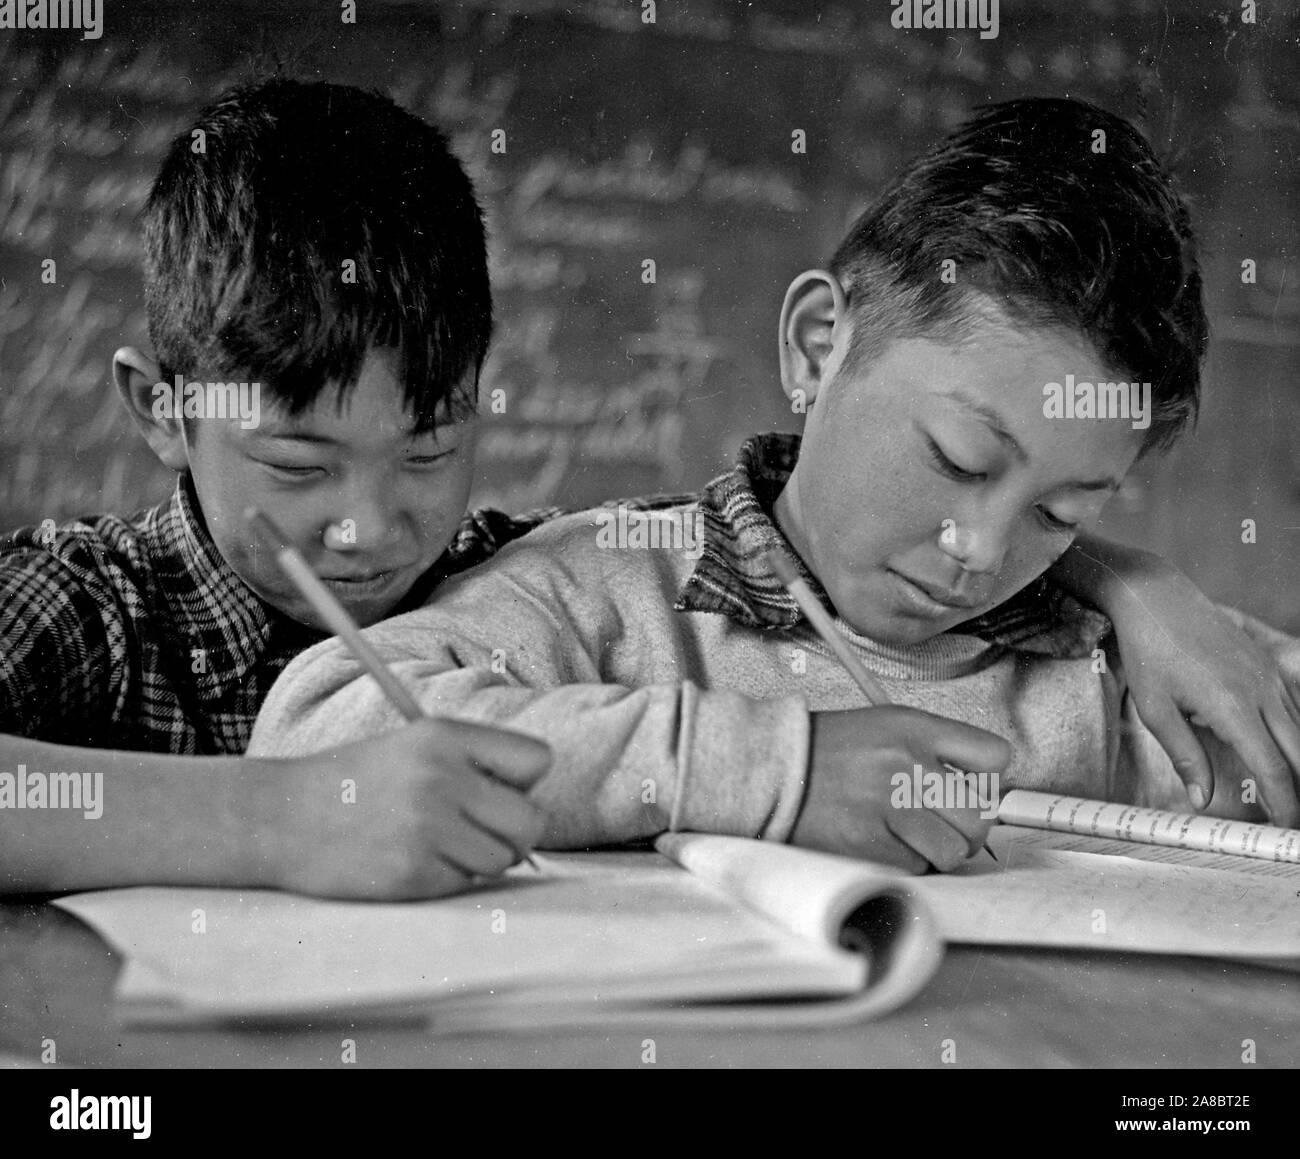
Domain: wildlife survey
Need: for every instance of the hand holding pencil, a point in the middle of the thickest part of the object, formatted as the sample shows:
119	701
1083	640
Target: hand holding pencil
450	795
856	754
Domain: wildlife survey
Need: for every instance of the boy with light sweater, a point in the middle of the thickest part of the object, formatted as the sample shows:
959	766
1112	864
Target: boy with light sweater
931	503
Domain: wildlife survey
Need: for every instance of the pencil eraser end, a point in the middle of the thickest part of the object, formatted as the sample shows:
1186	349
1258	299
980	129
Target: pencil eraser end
781	567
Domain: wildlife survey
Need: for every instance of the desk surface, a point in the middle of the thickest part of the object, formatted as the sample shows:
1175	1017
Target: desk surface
998	1007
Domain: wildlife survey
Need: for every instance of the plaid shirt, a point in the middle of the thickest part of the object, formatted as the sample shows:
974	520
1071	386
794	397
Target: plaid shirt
732	579
136	634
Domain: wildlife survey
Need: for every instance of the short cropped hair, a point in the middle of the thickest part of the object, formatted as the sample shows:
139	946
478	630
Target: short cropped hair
253	215
1050	229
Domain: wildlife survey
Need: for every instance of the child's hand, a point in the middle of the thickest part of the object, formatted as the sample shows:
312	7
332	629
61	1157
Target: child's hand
1184	658
855	755
433	805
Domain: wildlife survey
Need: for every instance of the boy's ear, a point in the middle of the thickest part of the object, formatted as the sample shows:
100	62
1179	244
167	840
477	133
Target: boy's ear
136	375
814	323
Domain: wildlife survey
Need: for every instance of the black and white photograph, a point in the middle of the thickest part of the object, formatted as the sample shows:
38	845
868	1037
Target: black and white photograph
650	534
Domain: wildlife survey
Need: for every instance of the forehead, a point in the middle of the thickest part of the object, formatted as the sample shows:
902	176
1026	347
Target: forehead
373	405
372	411
991	385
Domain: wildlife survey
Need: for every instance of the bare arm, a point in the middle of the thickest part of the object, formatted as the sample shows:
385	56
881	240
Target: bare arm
418	812
1189	662
1100	573
161	819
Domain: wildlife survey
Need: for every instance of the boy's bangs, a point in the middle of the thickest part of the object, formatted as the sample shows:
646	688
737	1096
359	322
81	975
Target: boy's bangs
321	222
324	337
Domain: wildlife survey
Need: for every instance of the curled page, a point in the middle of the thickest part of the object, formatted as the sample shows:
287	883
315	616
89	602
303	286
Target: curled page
827	900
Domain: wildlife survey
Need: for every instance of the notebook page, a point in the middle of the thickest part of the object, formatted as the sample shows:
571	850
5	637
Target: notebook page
1166	855
589	928
1038	894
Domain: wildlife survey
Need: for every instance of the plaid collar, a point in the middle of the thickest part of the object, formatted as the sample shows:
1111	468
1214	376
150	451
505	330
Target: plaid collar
739	527
208	607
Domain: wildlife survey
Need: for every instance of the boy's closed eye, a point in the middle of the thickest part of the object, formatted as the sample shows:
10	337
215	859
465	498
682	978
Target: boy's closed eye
279	458
306	470
949	466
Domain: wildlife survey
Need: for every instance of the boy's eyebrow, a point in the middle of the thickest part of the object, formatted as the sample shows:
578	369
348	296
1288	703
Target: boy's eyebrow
990	418
270	431
263	432
994	422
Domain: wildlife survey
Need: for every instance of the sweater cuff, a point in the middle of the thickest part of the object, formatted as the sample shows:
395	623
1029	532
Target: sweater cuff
742	764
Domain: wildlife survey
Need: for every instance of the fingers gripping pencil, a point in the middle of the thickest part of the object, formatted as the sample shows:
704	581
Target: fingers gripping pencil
821	620
336	617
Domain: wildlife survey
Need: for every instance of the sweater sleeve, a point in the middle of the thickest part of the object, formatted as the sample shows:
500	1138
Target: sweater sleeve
521	644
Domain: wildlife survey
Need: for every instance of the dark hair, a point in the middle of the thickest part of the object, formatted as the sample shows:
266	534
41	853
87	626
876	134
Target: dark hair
245	243
1050	231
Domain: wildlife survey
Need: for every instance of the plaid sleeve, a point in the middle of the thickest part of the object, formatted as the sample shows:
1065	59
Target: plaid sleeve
54	649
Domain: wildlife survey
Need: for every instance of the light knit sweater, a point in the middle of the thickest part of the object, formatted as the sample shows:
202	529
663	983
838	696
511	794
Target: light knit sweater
662	719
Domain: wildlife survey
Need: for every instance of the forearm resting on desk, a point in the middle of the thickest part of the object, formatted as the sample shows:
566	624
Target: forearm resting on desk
131	818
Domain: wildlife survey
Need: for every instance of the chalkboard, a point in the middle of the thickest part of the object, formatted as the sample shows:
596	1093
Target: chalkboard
674	142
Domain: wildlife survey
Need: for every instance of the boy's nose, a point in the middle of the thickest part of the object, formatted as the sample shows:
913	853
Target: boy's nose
978	548
363	527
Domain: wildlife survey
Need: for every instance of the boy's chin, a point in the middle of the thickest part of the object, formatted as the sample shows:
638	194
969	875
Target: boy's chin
895	631
363	613
907	635
898	631
881	608
370	616
374	611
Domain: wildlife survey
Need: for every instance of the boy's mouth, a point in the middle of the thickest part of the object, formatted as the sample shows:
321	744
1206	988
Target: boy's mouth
362	586
929	599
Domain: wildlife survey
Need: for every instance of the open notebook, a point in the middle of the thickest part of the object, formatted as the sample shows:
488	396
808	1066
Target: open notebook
708	930
595	936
